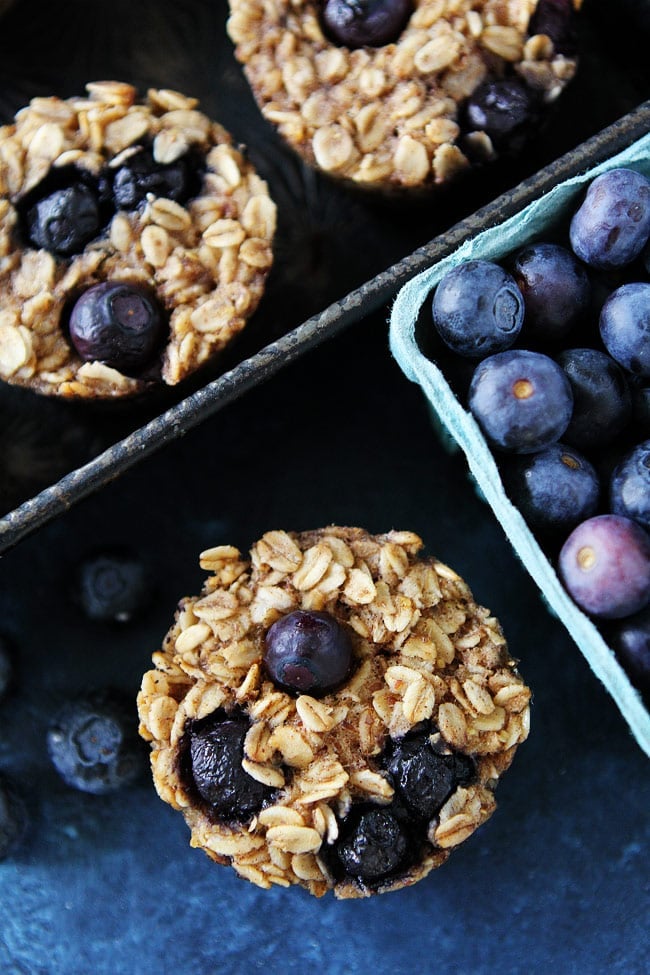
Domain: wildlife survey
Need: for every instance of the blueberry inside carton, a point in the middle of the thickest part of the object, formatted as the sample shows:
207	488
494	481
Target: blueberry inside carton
450	382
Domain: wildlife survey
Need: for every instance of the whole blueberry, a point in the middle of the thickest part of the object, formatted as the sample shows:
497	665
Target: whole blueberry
112	586
216	750
372	845
554	488
64	221
612	225
555	288
630	641
13	817
522	400
625	327
141	175
365	23
94	745
641	406
502	108
556	19
605	566
629	491
422	776
477	309
307	652
602	401
117	323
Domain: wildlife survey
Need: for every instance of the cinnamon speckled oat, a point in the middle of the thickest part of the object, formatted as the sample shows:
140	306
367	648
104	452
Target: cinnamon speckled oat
206	260
389	116
427	660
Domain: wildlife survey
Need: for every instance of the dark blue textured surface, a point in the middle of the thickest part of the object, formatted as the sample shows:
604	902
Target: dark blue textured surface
557	879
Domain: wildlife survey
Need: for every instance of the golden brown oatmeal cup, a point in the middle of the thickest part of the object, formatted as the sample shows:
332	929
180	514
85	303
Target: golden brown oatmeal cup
389	116
430	670
206	259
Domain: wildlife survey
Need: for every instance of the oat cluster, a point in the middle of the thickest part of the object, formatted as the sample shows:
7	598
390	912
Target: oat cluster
207	261
424	651
388	115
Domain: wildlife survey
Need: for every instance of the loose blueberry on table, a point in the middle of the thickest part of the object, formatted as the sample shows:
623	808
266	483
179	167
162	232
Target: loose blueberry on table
94	745
112	586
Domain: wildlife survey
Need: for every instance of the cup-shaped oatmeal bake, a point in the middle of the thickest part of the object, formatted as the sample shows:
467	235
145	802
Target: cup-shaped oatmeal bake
404	93
135	241
334	711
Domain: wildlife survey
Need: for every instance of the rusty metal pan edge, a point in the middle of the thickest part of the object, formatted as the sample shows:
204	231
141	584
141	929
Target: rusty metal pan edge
73	487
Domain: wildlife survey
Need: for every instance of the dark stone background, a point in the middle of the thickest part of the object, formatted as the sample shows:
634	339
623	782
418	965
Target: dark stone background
558	878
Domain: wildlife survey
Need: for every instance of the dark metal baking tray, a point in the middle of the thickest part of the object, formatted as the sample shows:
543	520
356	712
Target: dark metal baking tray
339	253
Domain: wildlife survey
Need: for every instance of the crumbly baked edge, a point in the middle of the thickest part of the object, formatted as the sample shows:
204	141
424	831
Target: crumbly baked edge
424	651
207	261
387	116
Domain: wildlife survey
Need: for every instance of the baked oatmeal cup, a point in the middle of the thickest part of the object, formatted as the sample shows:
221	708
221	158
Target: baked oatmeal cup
334	712
135	242
404	93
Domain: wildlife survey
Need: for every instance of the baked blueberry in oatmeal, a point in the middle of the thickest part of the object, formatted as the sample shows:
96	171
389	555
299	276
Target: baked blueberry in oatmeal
334	711
135	242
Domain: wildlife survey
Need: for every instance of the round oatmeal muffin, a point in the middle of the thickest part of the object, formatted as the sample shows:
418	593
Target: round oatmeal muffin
403	93
334	712
135	241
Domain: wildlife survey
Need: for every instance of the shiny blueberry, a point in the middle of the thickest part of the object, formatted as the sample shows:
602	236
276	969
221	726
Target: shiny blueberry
554	488
140	175
373	845
477	309
522	400
424	775
555	288
64	221
13	817
307	652
112	586
94	745
612	226
605	566
602	401
502	108
556	19
630	641
625	327
216	750
365	23
629	492
117	323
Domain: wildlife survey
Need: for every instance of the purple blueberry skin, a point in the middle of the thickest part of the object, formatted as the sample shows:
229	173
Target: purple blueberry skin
629	491
605	566
478	309
365	23
625	327
555	287
555	488
612	226
556	19
117	323
522	400
307	652
602	401
502	108
630	641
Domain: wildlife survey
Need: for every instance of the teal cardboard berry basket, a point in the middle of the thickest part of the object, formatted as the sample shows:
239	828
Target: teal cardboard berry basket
492	242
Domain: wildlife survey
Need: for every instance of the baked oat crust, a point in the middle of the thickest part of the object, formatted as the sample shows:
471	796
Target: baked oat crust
207	261
388	116
424	651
